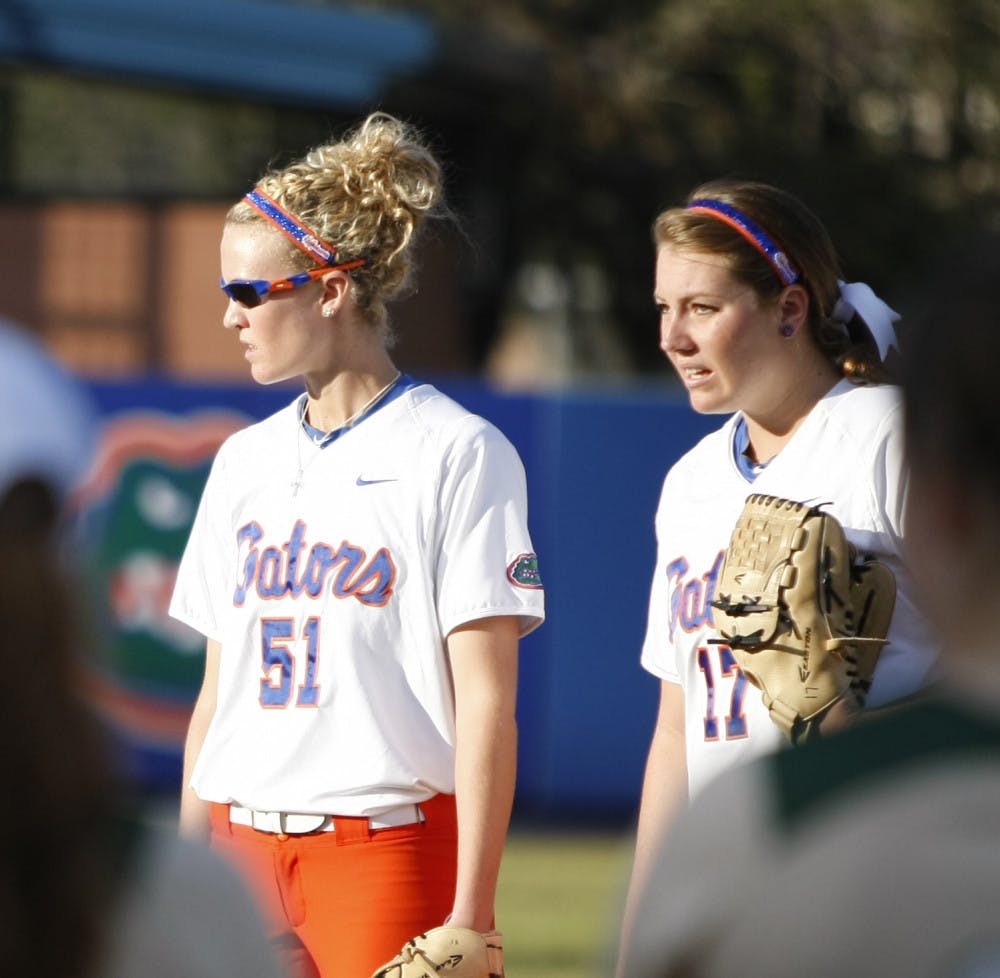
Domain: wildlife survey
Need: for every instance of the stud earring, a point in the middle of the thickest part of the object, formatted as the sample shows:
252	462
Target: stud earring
786	329
328	314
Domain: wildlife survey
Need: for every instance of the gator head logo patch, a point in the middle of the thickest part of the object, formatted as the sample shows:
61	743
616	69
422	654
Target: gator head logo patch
523	571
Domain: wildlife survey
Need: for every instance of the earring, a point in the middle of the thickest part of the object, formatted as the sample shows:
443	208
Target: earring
328	314
786	329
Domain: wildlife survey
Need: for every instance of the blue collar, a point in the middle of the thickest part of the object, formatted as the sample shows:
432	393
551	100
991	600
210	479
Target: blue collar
403	383
749	469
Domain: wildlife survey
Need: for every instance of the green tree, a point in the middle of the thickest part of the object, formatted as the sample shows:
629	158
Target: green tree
884	115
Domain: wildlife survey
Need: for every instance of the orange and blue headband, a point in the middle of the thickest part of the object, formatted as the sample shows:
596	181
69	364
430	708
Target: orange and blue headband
303	239
752	232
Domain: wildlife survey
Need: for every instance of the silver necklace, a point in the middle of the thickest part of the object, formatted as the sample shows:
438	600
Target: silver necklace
298	482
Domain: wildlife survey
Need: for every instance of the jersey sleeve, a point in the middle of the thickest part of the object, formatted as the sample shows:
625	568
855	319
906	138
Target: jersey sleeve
890	475
203	573
486	564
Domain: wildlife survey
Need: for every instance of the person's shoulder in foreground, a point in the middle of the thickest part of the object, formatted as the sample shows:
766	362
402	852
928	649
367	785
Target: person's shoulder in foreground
183	911
100	893
817	860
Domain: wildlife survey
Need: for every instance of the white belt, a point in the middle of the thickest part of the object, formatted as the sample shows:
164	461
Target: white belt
302	823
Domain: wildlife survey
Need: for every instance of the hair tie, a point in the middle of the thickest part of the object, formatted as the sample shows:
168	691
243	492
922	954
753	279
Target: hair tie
787	273
857	298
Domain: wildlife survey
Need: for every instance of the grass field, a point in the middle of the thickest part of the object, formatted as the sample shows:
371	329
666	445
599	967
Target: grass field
559	900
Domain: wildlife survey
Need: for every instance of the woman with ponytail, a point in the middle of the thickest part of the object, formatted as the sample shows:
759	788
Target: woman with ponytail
760	326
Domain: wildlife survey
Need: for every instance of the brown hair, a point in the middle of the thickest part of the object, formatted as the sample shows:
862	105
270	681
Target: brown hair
367	195
56	883
804	239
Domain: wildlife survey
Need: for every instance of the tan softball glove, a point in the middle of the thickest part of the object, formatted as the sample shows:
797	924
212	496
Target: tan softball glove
455	952
805	618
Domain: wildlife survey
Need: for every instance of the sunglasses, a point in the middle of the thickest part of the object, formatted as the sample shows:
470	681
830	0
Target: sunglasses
251	293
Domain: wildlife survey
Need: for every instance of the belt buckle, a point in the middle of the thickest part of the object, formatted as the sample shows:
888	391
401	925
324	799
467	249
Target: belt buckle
265	821
303	823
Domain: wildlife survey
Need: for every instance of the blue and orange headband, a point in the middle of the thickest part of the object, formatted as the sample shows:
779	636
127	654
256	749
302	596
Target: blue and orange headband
855	298
752	232
301	236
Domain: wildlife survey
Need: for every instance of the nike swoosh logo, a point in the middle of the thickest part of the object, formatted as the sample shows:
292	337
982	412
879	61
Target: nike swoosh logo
372	482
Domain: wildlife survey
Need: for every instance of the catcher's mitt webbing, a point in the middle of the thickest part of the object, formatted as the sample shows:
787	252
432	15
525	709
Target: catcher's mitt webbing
456	952
805	620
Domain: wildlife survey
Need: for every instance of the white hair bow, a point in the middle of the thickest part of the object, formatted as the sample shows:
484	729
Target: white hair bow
856	297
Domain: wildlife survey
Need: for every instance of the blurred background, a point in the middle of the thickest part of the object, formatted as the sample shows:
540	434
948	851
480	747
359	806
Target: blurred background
128	127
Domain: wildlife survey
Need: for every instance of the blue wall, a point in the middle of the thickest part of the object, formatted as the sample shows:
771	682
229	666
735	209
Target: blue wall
595	462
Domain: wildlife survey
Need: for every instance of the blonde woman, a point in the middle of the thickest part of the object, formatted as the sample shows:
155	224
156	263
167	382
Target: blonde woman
362	570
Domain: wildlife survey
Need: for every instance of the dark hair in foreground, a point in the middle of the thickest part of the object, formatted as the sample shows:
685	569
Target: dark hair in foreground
55	875
951	368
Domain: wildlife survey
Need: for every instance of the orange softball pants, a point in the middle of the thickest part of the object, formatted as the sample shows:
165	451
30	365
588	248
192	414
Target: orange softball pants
340	904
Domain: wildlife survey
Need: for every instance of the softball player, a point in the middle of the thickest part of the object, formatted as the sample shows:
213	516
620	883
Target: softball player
758	325
361	567
876	852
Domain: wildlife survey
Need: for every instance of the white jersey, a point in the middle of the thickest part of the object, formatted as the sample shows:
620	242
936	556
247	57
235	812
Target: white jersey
847	455
332	604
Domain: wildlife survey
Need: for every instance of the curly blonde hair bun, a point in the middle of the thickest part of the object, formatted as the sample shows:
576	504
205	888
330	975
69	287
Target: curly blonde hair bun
366	194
